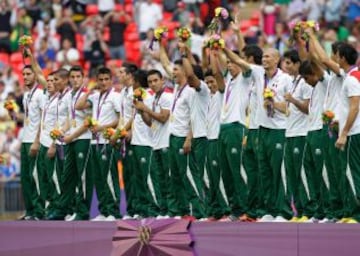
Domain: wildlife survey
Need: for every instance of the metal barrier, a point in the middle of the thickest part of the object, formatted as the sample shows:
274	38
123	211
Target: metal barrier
11	196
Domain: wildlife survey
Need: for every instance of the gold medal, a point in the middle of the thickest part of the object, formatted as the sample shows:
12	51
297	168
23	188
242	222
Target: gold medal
73	123
27	121
226	108
287	113
171	118
153	126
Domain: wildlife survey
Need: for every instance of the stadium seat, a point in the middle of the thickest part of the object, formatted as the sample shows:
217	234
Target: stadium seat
16	58
114	63
4	58
128	1
119	7
167	16
129	9
132	37
92	9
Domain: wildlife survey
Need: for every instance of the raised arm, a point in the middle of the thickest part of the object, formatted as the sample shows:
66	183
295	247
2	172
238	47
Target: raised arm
239	36
83	102
214	57
164	59
237	60
36	67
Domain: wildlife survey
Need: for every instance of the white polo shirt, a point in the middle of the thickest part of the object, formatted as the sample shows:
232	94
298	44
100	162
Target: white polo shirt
316	105
236	99
48	118
332	99
181	111
126	103
77	117
160	131
350	88
280	84
297	121
32	102
213	116
141	133
62	111
105	109
199	110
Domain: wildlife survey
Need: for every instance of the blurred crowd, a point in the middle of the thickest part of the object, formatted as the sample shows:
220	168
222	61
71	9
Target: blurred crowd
108	32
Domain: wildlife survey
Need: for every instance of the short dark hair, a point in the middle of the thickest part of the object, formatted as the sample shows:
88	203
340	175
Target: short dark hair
254	51
178	62
52	73
62	72
292	55
76	69
308	68
208	72
28	67
140	76
348	52
130	68
154	72
196	58
198	71
335	46
103	71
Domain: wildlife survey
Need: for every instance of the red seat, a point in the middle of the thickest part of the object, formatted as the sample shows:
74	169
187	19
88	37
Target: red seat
114	63
245	25
106	34
129	9
132	37
131	27
128	1
16	58
4	58
119	7
92	9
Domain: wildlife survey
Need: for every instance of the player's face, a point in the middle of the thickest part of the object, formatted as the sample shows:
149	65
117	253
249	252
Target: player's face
76	79
29	77
289	67
60	82
155	82
211	83
121	75
311	79
50	84
178	73
233	68
104	82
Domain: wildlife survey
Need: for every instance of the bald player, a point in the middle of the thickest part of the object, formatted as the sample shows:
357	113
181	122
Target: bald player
271	118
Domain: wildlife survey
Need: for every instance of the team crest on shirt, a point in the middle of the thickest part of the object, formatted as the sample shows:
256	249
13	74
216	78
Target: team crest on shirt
278	146
296	151
318	151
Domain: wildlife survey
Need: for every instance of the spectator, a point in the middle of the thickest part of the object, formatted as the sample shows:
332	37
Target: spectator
10	145
89	28
7	169
46	23
45	53
149	15
96	56
105	6
270	13
5	26
333	11
312	9
295	11
52	40
23	25
66	27
78	8
10	79
181	14
150	57
68	56
33	10
353	11
117	21
170	5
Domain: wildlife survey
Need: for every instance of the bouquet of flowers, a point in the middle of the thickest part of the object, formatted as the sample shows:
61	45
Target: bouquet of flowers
269	95
25	42
56	134
108	133
121	133
333	125
159	33
215	42
298	29
12	108
139	94
90	122
216	24
183	33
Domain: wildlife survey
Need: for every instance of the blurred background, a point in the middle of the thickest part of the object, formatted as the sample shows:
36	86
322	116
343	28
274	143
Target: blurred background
109	32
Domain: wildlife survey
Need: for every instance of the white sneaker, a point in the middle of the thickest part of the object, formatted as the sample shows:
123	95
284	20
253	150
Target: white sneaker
203	219
70	217
324	220
280	219
100	217
177	217
136	217
127	217
110	218
266	218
